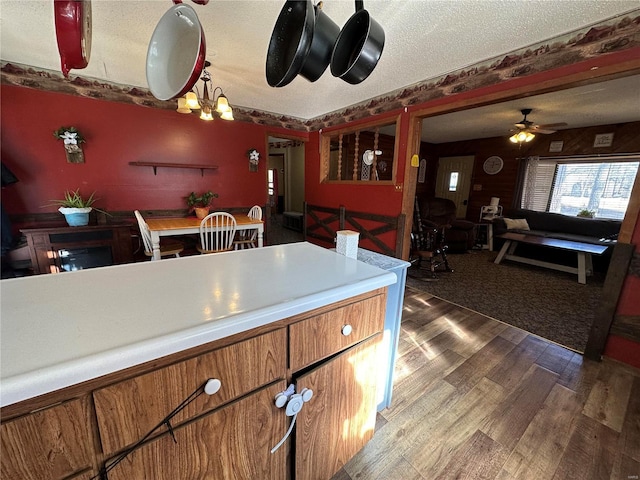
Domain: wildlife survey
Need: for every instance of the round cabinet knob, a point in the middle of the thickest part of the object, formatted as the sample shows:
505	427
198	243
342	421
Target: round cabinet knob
212	386
346	330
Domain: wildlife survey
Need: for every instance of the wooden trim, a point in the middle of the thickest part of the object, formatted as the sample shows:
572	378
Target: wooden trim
631	216
410	182
346	219
627	326
616	275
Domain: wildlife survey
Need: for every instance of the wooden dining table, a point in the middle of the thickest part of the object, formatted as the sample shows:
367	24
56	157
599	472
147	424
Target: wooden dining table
160	227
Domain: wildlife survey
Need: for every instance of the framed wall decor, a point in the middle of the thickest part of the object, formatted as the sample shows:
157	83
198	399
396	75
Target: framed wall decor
556	146
603	140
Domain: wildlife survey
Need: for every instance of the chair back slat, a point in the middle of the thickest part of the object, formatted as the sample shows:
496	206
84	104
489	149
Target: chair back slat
217	231
144	232
255	212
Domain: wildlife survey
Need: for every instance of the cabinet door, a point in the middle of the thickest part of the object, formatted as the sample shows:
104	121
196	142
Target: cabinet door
51	443
340	417
231	443
127	410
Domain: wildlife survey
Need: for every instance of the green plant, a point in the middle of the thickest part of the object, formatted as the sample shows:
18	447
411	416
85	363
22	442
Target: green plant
586	213
73	199
70	135
200	200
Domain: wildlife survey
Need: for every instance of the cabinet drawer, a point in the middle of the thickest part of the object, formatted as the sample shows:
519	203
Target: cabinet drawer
318	337
128	410
52	443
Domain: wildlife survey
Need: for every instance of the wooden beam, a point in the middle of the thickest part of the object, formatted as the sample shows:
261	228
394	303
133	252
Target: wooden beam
617	272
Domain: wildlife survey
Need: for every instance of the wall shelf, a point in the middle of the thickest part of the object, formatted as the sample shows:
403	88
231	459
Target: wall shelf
155	166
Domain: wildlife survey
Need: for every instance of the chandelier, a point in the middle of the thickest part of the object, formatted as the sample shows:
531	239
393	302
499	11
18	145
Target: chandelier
207	105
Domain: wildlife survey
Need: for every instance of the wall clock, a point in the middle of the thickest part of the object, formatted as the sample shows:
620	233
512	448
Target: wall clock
493	165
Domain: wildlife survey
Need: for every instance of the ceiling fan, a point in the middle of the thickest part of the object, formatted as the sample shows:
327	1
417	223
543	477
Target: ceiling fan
528	126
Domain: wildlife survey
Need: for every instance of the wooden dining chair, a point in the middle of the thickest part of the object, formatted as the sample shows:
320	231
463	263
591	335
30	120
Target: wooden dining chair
216	233
167	247
248	238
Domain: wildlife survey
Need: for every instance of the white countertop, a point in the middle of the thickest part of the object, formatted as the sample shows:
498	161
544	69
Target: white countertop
59	330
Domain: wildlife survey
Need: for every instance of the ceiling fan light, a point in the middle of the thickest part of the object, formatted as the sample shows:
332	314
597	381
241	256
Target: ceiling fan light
521	137
192	101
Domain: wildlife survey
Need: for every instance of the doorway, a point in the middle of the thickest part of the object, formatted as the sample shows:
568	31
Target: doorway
453	181
285	187
456	119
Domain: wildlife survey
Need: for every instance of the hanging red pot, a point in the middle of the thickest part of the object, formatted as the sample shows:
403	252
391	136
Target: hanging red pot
73	33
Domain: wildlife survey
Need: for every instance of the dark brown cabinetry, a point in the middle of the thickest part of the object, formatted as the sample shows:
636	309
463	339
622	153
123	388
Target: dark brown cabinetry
55	250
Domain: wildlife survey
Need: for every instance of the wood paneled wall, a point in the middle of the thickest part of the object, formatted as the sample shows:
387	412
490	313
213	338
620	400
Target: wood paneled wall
575	142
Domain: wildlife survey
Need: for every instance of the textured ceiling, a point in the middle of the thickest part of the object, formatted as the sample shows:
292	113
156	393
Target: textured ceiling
424	39
603	103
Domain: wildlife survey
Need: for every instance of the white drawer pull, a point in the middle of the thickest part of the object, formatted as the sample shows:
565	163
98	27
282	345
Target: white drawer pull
212	386
346	330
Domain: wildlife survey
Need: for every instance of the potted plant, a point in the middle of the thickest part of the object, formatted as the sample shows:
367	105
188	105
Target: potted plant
75	208
586	213
201	203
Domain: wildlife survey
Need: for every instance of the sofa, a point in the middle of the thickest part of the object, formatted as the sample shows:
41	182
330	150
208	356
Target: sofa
564	227
435	212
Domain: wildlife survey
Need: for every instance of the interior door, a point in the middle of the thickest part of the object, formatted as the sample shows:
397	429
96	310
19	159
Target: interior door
453	181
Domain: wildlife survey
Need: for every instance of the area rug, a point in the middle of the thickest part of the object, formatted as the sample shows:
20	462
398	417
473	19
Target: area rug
548	303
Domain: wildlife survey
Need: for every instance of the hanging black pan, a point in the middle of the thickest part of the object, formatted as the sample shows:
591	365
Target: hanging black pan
325	34
358	48
290	42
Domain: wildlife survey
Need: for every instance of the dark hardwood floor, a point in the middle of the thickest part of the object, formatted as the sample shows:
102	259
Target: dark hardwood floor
478	399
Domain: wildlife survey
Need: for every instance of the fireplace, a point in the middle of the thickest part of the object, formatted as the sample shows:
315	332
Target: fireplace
65	249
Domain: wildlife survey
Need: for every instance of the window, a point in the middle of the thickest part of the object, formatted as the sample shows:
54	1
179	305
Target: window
453	182
364	154
569	186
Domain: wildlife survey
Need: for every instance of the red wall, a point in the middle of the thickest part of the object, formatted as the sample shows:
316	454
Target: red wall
365	197
117	134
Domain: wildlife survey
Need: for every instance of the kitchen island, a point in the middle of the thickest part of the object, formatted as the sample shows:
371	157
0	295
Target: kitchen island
105	354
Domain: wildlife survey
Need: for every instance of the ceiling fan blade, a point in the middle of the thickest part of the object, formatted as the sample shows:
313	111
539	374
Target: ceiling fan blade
543	131
553	125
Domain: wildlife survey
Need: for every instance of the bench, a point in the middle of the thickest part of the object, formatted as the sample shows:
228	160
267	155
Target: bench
582	250
292	221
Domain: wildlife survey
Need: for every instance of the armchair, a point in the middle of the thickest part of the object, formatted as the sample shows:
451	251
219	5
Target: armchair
460	235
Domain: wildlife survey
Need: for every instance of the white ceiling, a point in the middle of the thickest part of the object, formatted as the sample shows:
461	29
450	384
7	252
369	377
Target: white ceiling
603	103
424	39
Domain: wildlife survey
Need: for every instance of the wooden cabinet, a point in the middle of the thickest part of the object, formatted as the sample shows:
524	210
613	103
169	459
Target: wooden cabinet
322	335
52	443
55	250
129	409
232	443
340	417
230	434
